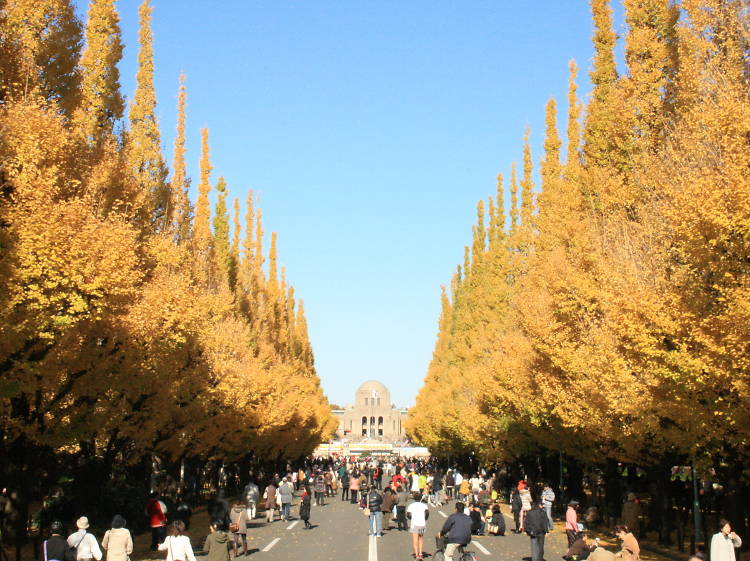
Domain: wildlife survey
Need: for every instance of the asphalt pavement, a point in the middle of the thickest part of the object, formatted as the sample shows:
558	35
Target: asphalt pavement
340	533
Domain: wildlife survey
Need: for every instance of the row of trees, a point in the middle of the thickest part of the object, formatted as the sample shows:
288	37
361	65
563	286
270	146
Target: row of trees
608	319
131	321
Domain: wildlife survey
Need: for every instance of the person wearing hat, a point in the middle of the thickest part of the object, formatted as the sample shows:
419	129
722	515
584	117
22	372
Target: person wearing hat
87	547
571	522
117	542
55	548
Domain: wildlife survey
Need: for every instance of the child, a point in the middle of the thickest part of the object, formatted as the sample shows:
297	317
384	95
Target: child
217	543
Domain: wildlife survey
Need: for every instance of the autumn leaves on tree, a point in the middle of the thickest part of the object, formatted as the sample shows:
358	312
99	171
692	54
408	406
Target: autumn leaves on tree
126	323
611	321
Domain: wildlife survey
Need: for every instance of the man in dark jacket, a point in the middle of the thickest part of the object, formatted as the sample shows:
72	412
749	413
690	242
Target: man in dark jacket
456	531
56	547
515	508
536	524
374	503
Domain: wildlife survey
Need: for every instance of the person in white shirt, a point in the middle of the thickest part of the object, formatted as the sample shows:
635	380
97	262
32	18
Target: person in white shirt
724	543
87	547
418	513
177	545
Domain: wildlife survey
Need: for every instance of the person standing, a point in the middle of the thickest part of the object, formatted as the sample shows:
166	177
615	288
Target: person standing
536	524
374	503
456	531
548	497
344	480
157	519
117	542
286	492
630	551
320	489
526	503
304	506
724	543
631	513
270	496
449	483
177	544
86	545
571	522
217	543
418	513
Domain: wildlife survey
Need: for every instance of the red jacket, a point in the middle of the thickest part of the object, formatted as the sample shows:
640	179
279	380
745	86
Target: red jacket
156	515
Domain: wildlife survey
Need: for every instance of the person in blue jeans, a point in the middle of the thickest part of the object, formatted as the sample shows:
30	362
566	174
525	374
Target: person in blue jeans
374	503
548	497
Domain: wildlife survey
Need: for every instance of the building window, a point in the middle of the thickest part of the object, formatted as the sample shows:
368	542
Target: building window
350	425
378	401
372	420
380	432
365	402
364	421
380	421
364	432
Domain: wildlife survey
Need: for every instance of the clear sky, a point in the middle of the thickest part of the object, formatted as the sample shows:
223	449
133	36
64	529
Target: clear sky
370	130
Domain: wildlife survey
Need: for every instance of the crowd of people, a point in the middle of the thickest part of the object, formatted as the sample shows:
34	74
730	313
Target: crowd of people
390	492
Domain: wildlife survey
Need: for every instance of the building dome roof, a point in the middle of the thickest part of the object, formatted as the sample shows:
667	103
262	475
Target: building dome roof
370	385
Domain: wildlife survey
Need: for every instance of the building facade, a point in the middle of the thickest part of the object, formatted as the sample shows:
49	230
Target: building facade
372	417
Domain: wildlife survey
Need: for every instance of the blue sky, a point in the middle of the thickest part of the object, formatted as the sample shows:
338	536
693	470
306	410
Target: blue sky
369	130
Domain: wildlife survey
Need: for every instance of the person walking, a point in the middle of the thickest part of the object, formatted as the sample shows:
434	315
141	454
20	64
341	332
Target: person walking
156	511
354	484
237	525
725	543
251	494
177	544
286	492
418	513
217	543
630	551
270	496
56	547
304	506
374	503
571	522
402	498
515	508
548	497
389	500
87	548
536	524
526	503
456	531
117	542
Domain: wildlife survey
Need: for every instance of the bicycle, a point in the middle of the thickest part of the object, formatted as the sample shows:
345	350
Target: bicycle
463	553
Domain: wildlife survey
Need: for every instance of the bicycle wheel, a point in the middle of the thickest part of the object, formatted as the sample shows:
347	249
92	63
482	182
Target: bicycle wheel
468	556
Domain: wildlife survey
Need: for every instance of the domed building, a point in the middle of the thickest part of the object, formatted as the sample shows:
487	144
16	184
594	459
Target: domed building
372	417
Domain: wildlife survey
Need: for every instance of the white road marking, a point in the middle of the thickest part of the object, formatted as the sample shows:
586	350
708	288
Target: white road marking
270	545
372	554
480	547
443	514
292	525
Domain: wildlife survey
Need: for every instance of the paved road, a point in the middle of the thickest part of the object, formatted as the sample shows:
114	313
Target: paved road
340	534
